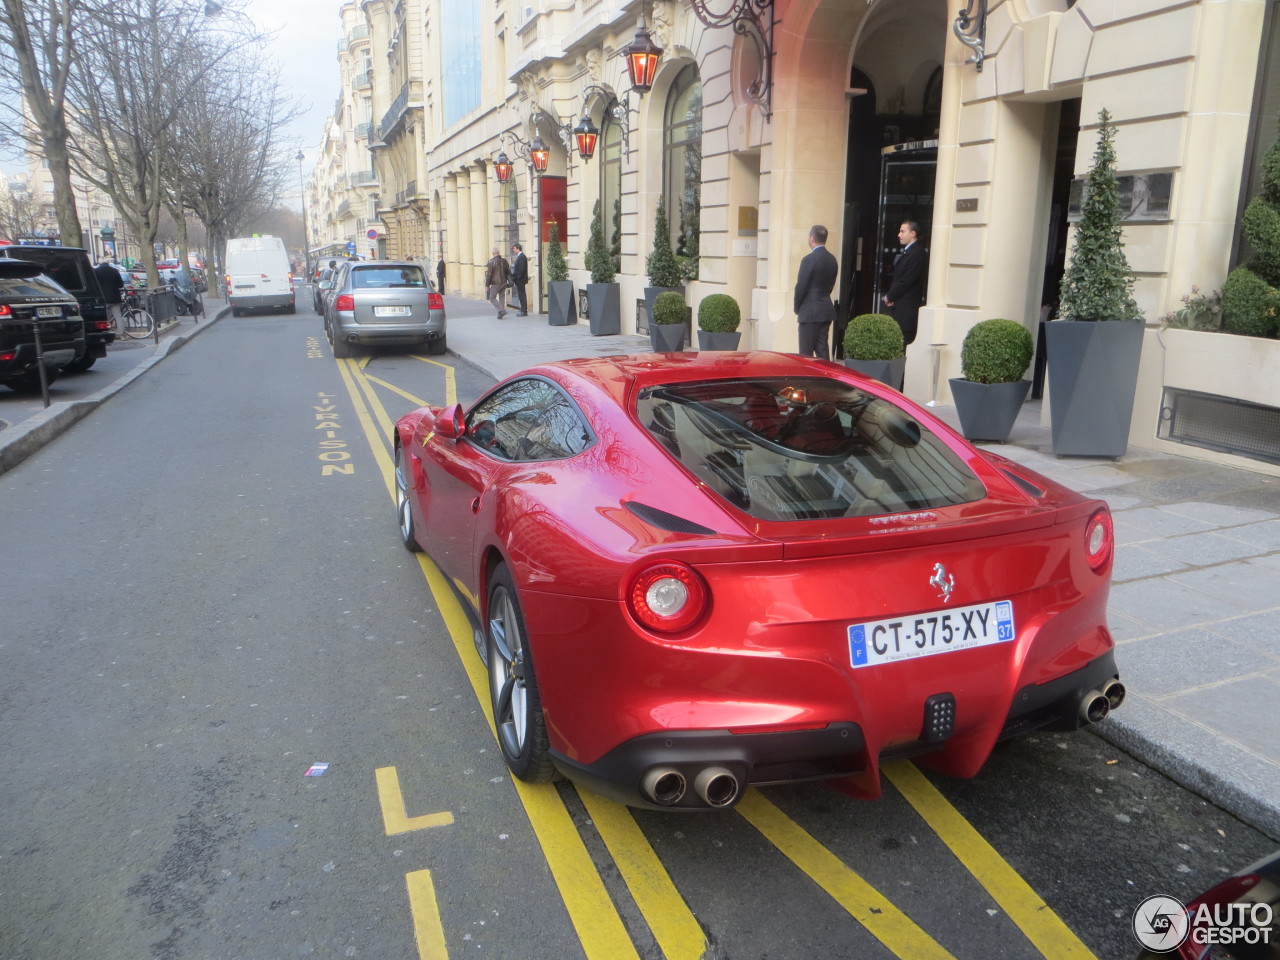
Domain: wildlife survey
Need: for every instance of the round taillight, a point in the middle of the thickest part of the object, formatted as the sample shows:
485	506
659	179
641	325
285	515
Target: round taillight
667	597
1099	539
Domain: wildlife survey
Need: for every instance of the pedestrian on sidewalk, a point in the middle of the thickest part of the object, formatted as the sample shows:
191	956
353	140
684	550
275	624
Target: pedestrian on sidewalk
814	309
112	284
497	274
520	278
440	274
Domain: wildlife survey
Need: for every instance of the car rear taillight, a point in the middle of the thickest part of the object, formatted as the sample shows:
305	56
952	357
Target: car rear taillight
6	357
5	311
667	597
345	303
1099	539
102	325
435	301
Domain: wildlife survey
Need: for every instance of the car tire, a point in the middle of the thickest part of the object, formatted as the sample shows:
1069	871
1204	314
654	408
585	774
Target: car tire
237	312
81	365
341	349
404	508
436	347
513	688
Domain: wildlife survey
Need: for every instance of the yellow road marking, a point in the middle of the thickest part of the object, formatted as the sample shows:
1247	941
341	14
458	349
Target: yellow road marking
678	933
1042	927
394	815
450	380
595	919
428	931
416	401
863	902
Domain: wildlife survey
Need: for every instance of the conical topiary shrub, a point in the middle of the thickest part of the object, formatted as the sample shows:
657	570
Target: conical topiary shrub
561	308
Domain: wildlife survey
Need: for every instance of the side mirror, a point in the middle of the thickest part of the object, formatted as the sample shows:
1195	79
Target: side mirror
450	422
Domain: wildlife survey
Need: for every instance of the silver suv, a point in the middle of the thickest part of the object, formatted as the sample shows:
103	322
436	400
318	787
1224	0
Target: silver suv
377	302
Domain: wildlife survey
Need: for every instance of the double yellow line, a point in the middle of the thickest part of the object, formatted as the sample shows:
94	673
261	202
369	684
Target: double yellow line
596	919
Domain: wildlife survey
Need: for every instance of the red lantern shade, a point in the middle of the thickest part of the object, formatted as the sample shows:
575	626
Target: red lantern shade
539	155
587	135
642	59
502	166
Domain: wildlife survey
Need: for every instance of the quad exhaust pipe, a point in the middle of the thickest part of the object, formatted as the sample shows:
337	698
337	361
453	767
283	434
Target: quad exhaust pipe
1096	704
715	786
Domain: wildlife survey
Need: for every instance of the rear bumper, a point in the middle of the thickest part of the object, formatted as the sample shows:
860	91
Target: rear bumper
627	772
388	334
263	301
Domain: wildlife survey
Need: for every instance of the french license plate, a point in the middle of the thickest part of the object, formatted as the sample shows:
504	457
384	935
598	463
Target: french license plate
907	638
391	311
48	311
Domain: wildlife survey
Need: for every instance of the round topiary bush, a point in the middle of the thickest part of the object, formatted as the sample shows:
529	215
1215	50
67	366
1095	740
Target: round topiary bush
1249	305
719	313
670	308
1262	230
873	336
996	351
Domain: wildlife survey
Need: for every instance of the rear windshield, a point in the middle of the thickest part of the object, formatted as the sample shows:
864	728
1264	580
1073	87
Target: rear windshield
18	287
805	449
364	278
63	268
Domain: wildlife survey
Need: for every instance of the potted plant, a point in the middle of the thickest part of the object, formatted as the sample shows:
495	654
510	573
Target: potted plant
718	319
669	326
1250	296
561	310
663	268
993	358
874	346
1093	351
604	314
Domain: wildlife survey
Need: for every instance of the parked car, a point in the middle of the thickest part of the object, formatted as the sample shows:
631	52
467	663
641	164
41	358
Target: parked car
702	572
72	270
383	303
28	297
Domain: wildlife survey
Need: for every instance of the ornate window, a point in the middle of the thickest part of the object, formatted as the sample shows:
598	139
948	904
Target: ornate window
682	164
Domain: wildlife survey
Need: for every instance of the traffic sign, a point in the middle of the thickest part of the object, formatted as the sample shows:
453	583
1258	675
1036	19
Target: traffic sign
371	234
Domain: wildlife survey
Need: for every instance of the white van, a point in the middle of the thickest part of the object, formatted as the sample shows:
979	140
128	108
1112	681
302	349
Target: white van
258	275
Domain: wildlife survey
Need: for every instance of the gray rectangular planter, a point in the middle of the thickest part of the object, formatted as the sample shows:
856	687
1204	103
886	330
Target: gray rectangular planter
605	314
668	337
561	309
650	295
987	411
1093	375
717	340
888	372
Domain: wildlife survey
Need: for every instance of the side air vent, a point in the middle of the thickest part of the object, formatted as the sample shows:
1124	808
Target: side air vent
666	521
1023	482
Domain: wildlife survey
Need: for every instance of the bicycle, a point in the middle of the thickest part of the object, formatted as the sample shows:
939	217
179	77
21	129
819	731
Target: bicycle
132	321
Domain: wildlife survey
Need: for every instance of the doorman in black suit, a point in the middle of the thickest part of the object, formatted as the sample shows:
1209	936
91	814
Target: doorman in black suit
813	306
520	277
910	270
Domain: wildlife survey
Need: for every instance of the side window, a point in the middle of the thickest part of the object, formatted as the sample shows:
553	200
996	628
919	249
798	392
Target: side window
528	420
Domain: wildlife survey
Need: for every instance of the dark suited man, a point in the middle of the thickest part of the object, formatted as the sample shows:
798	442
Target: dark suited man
910	270
813	306
520	277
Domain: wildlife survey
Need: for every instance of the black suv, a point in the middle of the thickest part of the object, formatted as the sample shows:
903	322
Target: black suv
71	269
28	298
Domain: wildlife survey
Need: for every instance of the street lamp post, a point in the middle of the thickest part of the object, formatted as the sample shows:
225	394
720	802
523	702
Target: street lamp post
306	243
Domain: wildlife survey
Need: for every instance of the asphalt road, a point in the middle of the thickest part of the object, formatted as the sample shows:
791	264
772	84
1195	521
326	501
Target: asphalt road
205	595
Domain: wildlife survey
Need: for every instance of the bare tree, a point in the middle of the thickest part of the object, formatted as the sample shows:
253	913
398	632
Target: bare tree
21	215
39	50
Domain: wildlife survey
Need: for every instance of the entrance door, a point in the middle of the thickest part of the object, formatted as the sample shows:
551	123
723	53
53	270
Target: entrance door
553	207
907	172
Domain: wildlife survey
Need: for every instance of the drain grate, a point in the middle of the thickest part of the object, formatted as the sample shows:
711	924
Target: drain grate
1221	423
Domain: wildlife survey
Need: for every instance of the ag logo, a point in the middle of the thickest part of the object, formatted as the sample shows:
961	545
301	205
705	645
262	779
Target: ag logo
1161	924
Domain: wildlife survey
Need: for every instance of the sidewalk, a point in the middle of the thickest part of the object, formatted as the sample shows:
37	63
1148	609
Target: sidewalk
29	425
1195	600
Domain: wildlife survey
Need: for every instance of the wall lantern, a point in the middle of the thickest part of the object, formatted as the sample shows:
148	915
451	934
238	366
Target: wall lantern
586	133
642	59
539	155
502	166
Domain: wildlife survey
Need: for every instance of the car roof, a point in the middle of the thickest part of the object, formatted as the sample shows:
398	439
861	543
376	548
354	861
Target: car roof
41	246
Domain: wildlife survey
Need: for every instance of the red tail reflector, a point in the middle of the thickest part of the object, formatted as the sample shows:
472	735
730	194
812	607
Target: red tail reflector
667	597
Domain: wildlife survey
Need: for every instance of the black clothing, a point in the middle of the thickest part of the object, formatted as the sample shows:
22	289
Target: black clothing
814	309
519	279
110	281
906	292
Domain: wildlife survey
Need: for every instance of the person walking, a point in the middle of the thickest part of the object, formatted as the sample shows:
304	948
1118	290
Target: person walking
814	309
497	274
520	277
910	270
440	274
112	284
